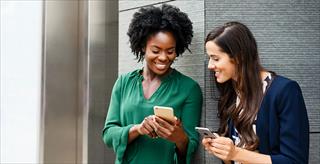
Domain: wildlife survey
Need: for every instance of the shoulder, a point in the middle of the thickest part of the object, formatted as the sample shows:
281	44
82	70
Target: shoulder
282	80
184	78
186	81
129	75
189	86
281	84
285	90
127	78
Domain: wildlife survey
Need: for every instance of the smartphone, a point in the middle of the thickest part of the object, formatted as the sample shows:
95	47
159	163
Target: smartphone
164	112
206	132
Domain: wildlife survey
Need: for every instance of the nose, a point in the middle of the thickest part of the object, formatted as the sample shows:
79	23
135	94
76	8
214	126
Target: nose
163	56
211	65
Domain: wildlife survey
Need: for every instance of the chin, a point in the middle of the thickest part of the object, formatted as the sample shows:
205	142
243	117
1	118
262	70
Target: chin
161	72
221	81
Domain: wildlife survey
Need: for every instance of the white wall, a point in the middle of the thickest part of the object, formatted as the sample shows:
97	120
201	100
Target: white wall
21	41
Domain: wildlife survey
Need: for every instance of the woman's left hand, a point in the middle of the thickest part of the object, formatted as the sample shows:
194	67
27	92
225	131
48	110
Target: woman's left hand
170	131
223	148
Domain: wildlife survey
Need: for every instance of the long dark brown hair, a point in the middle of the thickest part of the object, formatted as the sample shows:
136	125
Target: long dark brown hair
237	41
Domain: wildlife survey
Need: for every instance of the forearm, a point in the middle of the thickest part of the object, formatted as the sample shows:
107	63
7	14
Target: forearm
182	146
246	156
133	133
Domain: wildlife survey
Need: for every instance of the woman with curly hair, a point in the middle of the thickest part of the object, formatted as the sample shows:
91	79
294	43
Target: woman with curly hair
263	117
157	36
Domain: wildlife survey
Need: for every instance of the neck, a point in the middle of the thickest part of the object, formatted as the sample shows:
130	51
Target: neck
149	75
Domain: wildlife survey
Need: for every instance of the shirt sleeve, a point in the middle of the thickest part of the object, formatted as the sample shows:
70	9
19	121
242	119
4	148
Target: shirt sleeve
294	126
114	134
190	119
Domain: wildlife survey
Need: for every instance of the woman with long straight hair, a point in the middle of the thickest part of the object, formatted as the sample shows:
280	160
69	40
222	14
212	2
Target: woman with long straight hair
263	118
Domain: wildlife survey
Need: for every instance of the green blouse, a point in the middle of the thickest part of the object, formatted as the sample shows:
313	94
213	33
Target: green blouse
128	107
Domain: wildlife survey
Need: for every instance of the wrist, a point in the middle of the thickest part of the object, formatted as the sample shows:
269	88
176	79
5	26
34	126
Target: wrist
183	141
182	146
135	129
236	153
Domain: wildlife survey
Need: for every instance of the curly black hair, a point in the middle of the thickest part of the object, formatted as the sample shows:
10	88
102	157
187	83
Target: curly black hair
151	20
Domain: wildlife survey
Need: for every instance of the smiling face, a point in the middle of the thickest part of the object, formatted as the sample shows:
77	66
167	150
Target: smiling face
160	52
220	62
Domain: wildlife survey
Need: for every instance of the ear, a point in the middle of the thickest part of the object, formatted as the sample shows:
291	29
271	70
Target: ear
234	61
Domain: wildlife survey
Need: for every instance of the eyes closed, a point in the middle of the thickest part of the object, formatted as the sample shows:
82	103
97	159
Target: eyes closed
214	57
158	50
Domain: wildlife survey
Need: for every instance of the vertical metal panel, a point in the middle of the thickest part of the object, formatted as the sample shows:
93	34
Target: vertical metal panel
103	71
80	68
83	84
60	87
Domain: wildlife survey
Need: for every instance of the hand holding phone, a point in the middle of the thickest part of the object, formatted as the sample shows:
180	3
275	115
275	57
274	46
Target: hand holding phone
206	132
164	112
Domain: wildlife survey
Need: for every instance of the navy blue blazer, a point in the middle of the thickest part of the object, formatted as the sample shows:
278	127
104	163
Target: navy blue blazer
282	123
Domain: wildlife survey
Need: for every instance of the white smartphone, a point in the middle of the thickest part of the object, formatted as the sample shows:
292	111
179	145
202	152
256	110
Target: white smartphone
206	132
164	112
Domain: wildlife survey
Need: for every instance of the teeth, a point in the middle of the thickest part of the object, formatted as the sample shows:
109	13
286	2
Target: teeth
161	66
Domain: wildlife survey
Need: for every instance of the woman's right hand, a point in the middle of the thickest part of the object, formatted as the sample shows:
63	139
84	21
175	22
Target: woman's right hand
206	142
209	143
146	127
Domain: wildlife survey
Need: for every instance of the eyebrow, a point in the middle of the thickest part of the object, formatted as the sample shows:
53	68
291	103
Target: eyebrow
211	54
